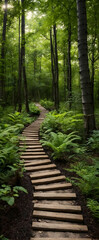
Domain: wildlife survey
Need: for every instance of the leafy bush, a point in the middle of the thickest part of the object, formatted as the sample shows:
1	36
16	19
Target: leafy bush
9	194
93	141
49	105
34	110
61	143
94	207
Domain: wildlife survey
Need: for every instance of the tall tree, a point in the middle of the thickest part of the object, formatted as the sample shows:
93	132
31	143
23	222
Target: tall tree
23	55
20	66
2	77
86	87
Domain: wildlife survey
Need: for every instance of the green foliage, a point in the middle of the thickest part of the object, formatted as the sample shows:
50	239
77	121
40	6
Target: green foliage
65	122
61	143
9	194
34	110
3	238
93	141
49	105
94	207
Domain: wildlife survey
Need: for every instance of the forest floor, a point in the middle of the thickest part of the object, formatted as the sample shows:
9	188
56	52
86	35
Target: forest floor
15	221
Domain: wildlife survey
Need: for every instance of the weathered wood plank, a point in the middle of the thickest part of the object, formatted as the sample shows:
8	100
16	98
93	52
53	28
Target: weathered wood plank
66	227
54	196
34	157
39	168
32	153
44	174
57	207
53	187
48	180
37	163
61	238
58	216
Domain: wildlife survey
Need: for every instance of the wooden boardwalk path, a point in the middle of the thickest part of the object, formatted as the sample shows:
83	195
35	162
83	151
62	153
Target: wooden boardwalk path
56	215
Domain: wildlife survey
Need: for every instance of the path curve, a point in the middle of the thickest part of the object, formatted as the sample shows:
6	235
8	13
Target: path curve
56	215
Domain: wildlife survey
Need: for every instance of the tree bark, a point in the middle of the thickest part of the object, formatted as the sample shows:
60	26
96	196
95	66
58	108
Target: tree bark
20	70
69	85
52	66
65	77
23	56
56	70
2	77
86	87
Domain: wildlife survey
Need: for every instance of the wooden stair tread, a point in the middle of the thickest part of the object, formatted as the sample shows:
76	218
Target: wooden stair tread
61	238
54	196
50	166
32	153
32	146
57	207
37	162
48	180
55	186
58	216
30	139
34	157
33	150
44	174
66	227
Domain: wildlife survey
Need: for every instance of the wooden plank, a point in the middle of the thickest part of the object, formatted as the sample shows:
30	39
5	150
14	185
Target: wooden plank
33	153
32	146
30	135
48	180
37	162
30	139
53	187
61	238
34	157
63	227
39	175
30	143
54	196
33	150
57	207
58	216
39	168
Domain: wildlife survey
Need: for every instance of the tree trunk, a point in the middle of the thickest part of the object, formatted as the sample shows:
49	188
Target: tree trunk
2	74
69	85
64	62
86	87
52	66
20	72
56	71
23	56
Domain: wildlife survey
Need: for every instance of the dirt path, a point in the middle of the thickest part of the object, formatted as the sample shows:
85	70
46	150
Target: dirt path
56	214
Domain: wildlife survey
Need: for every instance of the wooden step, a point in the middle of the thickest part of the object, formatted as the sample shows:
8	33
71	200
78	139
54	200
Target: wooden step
32	147
58	216
57	207
30	135
54	196
53	187
62	238
33	153
39	175
30	139
33	150
39	168
31	144
34	157
37	162
48	180
63	227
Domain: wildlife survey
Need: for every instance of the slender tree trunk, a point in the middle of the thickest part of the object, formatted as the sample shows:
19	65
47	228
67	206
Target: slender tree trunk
69	85
23	56
56	71
20	70
64	63
86	87
52	66
2	74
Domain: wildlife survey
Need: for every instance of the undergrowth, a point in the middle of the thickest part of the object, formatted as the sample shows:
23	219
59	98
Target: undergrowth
11	168
63	134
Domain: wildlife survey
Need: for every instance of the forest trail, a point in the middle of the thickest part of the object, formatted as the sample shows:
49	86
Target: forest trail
56	215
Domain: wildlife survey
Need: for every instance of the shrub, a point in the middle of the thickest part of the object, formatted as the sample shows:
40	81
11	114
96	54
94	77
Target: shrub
49	105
